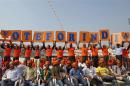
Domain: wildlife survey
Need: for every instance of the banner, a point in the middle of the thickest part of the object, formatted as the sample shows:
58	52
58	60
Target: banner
116	38
84	37
94	37
49	36
27	35
60	36
72	37
5	33
38	36
16	35
104	35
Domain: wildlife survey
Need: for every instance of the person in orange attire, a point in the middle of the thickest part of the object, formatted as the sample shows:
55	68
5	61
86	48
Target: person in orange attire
28	51
105	53
125	53
84	51
59	52
17	52
48	51
71	53
37	51
7	50
94	51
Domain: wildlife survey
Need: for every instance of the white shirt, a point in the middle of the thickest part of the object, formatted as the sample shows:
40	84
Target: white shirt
119	51
89	53
89	71
110	50
100	52
119	70
11	74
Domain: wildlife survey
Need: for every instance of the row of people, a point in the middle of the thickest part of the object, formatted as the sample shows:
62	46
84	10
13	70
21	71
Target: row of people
122	53
63	72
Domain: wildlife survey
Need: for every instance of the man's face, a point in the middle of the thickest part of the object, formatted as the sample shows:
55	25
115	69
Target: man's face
29	64
11	66
48	46
101	64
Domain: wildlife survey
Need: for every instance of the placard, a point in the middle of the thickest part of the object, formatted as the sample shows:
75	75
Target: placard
16	35
27	35
94	37
60	36
38	36
72	37
84	37
104	35
49	36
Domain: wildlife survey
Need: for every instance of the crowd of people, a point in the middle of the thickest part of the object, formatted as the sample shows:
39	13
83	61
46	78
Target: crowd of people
94	64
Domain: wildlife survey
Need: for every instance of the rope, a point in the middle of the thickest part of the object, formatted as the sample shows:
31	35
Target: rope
50	3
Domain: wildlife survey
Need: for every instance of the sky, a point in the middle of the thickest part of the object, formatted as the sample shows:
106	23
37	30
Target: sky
74	15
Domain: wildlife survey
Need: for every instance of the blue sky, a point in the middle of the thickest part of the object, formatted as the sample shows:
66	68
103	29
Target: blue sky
75	15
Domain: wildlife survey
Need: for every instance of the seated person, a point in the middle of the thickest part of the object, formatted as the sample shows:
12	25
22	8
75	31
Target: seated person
10	76
77	75
106	74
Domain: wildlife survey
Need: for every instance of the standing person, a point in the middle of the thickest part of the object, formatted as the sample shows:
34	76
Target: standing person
48	51
125	56
84	51
37	54
10	76
7	50
105	53
17	52
71	53
28	51
119	49
94	55
59	52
